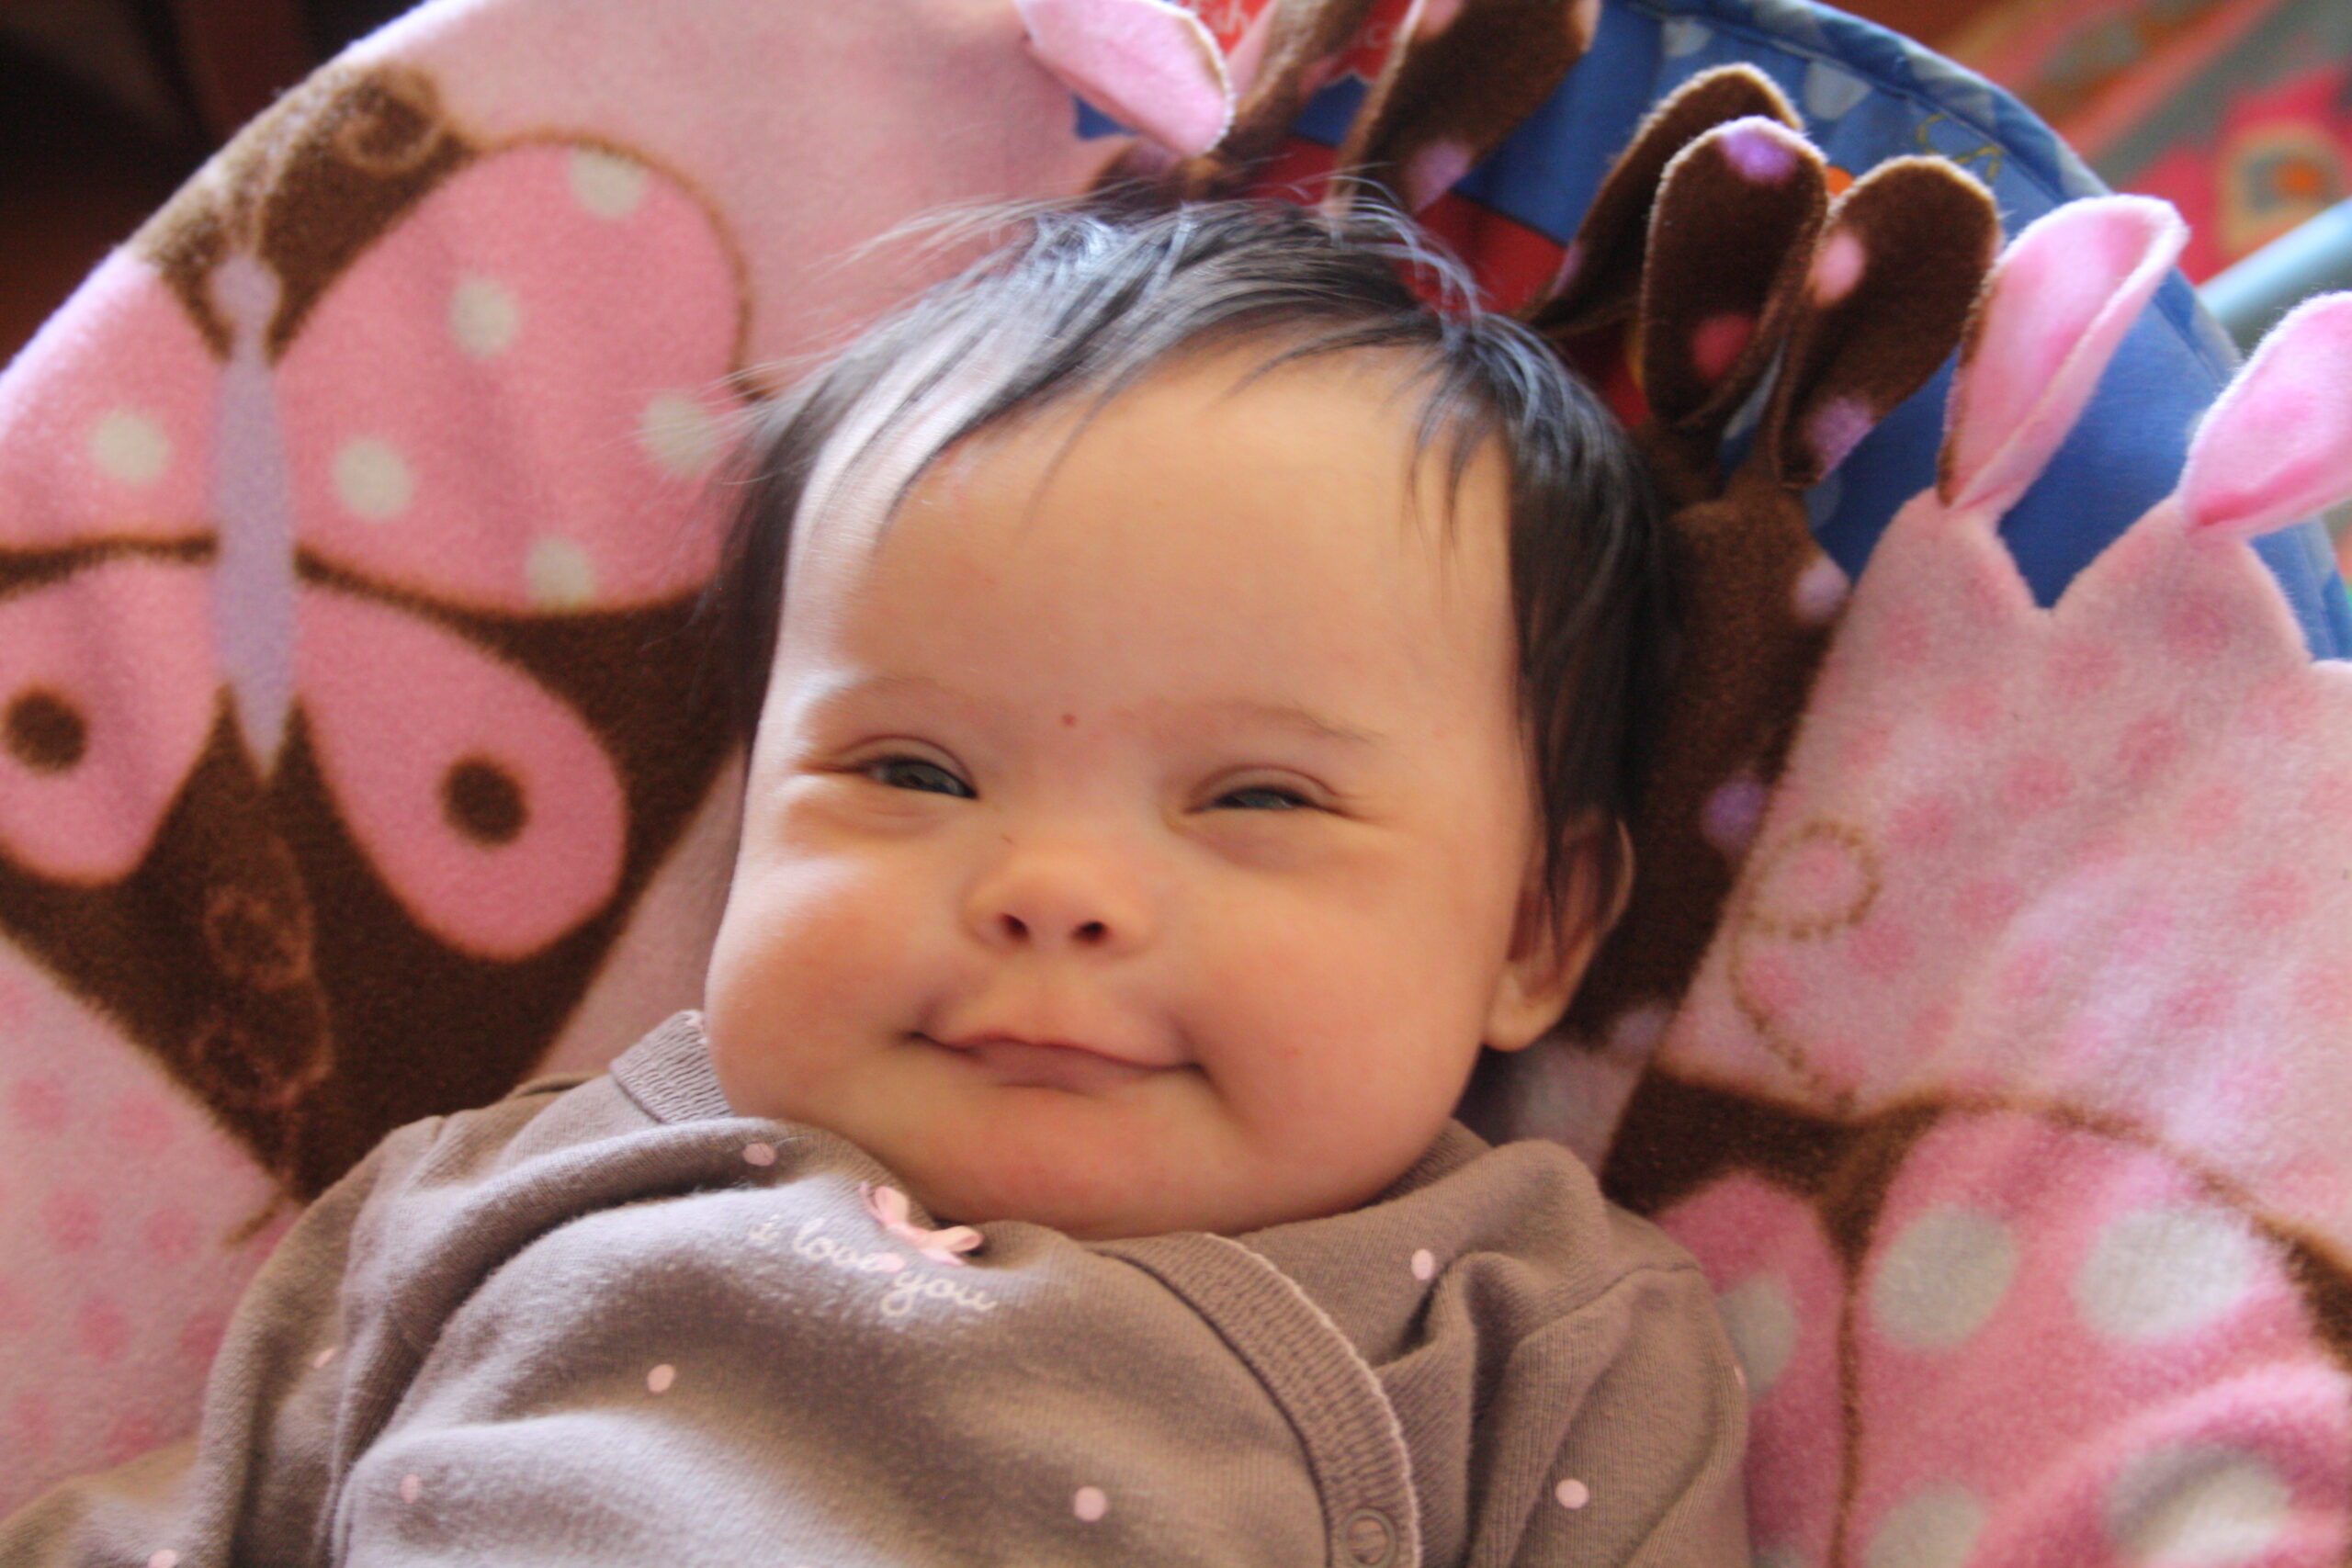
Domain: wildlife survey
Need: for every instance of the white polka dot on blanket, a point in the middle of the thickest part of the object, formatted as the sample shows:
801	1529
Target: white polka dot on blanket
372	480
759	1154
605	184
1572	1493
1424	1265
661	1378
558	574
1942	1277
411	1488
130	446
484	317
2197	1505
1090	1504
1935	1526
324	1357
2157	1273
166	1558
679	435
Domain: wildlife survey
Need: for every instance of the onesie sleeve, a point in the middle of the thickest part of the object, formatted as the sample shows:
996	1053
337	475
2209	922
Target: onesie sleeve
256	1483
1640	1464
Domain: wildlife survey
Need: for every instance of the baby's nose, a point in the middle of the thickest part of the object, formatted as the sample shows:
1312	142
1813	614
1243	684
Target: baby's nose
1064	898
1086	933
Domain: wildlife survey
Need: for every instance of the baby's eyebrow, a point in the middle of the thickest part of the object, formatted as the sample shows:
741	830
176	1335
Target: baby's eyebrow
1224	712
1287	715
828	693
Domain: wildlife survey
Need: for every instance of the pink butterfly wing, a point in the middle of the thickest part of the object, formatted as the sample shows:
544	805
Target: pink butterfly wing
101	729
489	809
512	403
1780	1291
2068	1350
105	418
514	399
107	677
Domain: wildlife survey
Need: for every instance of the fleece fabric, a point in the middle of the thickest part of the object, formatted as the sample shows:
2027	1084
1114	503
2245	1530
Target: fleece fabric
2007	1106
617	1324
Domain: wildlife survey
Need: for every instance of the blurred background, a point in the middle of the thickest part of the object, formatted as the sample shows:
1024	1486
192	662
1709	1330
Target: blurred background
2237	111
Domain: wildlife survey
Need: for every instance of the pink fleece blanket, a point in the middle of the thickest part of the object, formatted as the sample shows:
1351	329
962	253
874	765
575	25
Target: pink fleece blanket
2008	1109
352	767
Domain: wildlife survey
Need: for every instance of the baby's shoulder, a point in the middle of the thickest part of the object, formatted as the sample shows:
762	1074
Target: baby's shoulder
550	1131
1533	1200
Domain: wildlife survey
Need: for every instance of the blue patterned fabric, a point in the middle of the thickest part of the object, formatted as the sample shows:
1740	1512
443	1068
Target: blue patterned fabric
1869	95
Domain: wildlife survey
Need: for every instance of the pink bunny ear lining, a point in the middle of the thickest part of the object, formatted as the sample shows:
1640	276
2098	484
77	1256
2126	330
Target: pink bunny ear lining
1146	64
2276	446
2053	314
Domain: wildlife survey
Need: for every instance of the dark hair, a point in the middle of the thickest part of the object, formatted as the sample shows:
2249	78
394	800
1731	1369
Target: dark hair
1085	302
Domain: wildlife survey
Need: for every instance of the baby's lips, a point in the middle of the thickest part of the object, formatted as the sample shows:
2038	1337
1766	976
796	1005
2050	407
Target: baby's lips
1115	1044
1013	1062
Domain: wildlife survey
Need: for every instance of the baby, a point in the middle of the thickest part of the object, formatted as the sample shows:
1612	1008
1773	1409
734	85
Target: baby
1195	689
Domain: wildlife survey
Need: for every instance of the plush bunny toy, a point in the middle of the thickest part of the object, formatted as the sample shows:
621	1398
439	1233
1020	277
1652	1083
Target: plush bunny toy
1714	238
2007	1108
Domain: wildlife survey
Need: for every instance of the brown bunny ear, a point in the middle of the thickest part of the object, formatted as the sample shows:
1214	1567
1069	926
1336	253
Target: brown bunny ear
1886	298
1460	76
1601	276
1730	235
1292	49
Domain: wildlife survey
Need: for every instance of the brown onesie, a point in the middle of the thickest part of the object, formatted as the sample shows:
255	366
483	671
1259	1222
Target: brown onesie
612	1322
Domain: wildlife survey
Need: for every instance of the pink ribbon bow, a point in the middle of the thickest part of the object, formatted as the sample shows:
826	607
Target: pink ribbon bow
890	1210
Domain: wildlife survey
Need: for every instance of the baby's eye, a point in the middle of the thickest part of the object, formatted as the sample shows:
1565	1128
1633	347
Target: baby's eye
913	772
1262	797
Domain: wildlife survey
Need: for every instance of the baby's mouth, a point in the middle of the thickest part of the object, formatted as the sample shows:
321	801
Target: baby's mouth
1011	1062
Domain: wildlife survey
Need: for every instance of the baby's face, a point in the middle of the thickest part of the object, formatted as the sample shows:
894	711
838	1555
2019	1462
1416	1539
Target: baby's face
1139	842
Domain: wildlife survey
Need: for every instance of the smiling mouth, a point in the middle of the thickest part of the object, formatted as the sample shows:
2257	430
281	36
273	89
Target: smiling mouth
1025	1064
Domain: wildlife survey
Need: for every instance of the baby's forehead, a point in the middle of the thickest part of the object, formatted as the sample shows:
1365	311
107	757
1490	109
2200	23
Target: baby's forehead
1423	427
1224	498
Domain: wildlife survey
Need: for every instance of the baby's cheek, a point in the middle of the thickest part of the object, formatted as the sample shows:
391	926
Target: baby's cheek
804	951
1340	1045
841	909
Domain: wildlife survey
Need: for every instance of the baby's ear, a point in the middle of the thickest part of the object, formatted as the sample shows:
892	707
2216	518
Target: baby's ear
1554	942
